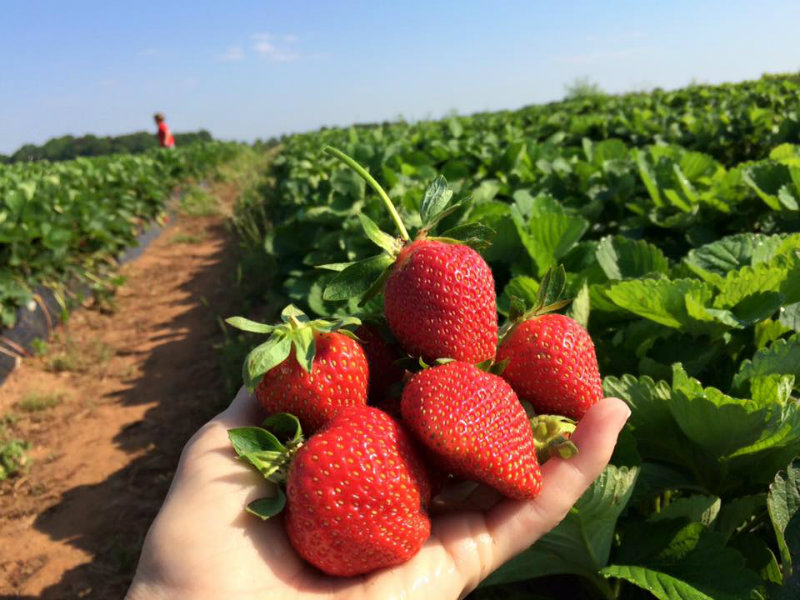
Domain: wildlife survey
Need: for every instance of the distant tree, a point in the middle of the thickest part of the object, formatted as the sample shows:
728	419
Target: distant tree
68	147
582	87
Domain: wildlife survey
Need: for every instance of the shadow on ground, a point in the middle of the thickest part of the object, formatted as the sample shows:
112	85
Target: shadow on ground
182	375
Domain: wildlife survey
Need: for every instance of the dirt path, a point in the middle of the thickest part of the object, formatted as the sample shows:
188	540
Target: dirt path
108	408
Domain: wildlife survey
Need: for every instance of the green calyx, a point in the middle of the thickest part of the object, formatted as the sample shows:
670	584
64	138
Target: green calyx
548	299
551	435
365	278
270	450
295	332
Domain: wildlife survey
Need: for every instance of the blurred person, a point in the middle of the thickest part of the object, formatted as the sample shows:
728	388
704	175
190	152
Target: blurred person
165	139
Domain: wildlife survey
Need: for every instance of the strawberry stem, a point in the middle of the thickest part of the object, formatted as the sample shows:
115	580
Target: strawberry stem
350	162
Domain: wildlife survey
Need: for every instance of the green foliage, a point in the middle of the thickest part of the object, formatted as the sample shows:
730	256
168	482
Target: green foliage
13	451
198	202
674	215
66	222
69	147
39	401
582	87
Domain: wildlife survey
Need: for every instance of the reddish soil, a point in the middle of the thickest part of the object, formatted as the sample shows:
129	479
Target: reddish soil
136	384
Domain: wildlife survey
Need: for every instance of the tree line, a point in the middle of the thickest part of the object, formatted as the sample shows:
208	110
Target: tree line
68	146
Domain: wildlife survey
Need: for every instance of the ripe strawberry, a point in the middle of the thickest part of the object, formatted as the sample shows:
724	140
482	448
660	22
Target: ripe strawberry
356	495
381	356
311	369
552	365
440	302
439	296
338	379
475	427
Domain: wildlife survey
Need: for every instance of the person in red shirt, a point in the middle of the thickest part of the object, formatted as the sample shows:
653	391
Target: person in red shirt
165	139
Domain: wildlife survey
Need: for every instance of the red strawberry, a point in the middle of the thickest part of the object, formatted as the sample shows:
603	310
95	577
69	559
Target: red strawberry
309	368
475	427
552	365
440	302
356	493
338	379
381	356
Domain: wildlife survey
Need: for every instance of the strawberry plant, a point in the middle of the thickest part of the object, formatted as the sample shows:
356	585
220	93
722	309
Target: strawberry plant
675	216
67	221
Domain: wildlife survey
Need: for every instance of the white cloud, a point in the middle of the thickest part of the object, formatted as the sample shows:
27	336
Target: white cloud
263	47
272	46
233	53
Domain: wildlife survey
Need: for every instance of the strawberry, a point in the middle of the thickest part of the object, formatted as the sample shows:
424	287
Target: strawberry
381	357
326	372
552	365
474	426
440	302
439	296
356	495
338	378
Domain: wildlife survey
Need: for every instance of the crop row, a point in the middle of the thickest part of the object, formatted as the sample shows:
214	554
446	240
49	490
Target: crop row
676	216
67	221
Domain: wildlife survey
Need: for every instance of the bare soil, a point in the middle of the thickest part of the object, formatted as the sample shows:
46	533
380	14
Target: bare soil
123	392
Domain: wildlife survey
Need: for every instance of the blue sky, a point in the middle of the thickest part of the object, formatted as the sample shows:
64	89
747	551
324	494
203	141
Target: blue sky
247	69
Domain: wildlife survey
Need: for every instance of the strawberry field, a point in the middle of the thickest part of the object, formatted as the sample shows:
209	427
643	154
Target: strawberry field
676	218
65	222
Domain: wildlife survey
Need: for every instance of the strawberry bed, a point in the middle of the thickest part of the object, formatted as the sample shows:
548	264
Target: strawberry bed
676	217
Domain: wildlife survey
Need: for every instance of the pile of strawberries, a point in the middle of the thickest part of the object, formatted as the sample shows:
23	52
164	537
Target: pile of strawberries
395	411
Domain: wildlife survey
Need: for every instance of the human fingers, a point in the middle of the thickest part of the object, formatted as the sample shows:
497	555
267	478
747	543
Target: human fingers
515	525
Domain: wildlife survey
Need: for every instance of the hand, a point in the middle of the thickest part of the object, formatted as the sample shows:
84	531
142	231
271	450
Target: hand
203	544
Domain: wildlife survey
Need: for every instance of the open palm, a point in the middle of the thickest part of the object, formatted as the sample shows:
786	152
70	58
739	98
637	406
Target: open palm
204	545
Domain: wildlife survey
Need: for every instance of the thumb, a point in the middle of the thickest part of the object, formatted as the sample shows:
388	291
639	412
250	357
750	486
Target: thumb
514	526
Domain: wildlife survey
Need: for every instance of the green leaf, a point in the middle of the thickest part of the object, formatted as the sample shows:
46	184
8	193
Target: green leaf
382	240
356	279
265	508
286	426
660	300
783	503
265	357
516	310
773	183
549	234
790	316
695	508
771	389
781	357
736	512
651	421
682	562
523	288
292	312
246	440
435	201
248	325
717	422
304	347
581	543
623	258
475	235
337	267
714	261
581	306
551	287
